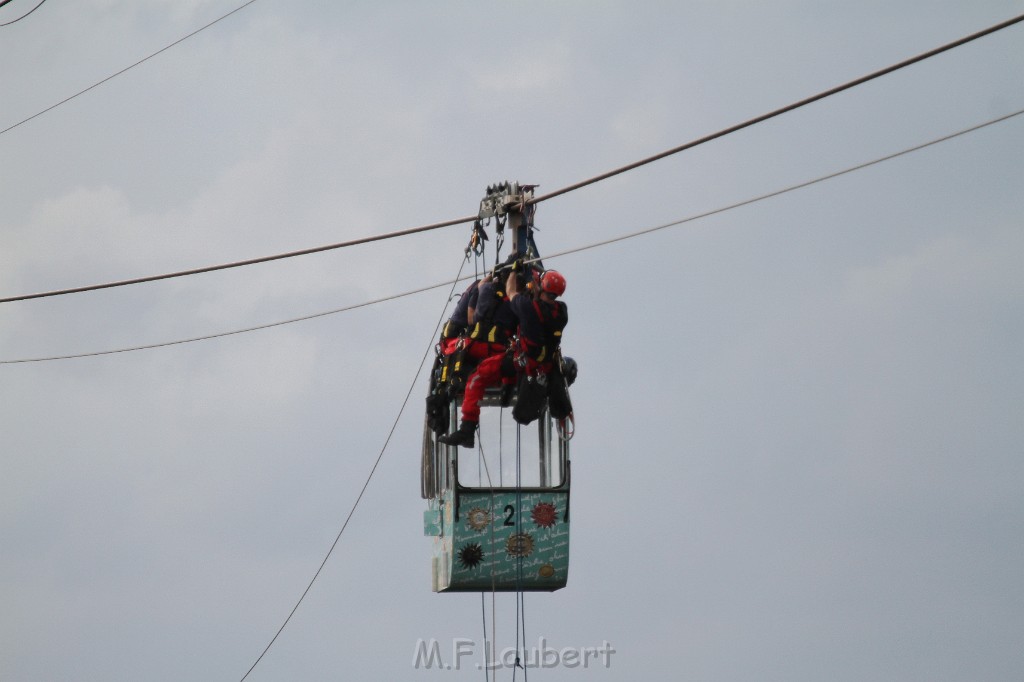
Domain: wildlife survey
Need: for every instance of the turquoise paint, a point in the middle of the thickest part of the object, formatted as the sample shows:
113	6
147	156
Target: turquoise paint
499	538
479	552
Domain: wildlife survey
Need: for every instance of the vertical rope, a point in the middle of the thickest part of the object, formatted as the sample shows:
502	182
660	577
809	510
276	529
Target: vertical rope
483	616
519	556
522	599
494	608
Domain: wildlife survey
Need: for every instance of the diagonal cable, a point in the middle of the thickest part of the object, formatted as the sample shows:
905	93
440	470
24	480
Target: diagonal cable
127	68
359	497
14	21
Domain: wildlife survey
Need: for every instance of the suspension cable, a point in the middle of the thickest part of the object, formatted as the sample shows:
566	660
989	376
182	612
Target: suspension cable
782	110
544	197
237	264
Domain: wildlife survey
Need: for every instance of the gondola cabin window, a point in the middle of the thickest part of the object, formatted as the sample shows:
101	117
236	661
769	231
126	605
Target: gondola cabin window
541	454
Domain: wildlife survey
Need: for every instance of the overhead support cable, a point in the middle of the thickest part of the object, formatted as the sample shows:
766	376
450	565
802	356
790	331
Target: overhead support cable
631	235
544	197
238	264
780	111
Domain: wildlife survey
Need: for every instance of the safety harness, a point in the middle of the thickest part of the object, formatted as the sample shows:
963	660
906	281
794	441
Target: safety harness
553	318
486	330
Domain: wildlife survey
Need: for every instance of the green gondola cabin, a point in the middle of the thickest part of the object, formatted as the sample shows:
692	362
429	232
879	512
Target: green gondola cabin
489	533
498	514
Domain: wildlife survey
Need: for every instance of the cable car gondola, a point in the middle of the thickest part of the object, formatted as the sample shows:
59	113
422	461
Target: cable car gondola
499	513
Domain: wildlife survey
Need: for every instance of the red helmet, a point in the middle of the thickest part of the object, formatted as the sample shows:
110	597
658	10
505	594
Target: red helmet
552	283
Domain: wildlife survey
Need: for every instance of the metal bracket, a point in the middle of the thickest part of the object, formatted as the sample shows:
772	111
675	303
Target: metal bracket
503	196
513	202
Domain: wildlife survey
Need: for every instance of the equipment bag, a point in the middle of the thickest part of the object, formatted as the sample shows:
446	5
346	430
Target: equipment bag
438	412
558	396
562	375
531	394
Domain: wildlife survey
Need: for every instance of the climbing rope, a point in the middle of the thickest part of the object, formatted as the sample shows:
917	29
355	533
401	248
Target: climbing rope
520	601
494	625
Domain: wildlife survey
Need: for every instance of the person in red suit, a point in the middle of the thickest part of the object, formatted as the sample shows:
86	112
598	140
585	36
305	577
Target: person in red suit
540	321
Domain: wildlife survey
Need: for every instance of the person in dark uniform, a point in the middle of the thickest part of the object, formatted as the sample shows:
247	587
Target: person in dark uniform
461	319
493	324
540	320
453	337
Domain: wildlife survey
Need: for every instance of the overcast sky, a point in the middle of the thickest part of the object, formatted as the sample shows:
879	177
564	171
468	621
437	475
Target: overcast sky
799	438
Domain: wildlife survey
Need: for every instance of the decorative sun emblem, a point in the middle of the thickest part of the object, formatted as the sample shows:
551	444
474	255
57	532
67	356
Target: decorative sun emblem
478	518
546	571
519	544
544	514
471	555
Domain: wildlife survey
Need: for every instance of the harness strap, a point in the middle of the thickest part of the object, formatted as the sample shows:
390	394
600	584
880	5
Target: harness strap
553	326
491	333
451	330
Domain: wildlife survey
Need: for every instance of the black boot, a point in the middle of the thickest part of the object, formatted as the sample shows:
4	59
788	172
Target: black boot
462	436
